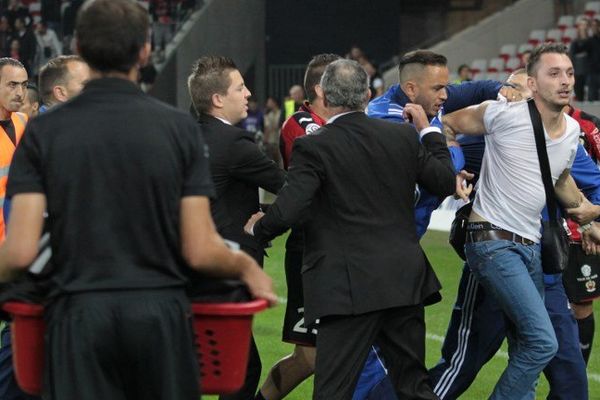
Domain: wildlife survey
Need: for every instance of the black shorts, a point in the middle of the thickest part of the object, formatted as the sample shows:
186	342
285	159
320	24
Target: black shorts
121	344
581	279
294	330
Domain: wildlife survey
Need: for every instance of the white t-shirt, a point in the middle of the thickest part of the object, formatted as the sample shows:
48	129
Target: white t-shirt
510	191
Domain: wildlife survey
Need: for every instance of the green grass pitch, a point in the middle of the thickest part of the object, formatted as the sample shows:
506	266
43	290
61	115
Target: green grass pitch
267	325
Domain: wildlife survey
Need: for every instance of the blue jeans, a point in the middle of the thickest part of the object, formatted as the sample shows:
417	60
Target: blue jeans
477	329
512	274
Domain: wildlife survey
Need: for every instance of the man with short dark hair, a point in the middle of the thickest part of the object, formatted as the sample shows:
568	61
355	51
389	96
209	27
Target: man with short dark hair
31	104
591	45
62	78
129	212
365	276
422	96
477	327
13	92
464	74
503	235
238	168
291	370
27	44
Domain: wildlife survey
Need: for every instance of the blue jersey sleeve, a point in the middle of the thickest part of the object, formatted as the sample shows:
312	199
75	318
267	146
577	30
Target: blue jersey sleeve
383	108
458	158
6	211
470	93
586	175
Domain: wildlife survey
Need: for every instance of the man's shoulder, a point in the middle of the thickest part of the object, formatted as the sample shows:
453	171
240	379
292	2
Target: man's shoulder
220	129
387	106
375	126
300	123
500	108
573	126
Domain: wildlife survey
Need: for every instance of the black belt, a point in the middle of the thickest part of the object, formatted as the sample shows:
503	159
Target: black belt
482	231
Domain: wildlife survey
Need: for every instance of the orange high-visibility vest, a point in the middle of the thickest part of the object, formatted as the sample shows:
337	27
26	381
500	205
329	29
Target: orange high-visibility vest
7	149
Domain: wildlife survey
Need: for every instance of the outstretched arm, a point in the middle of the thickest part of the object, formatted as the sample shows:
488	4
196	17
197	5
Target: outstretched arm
567	192
304	179
467	121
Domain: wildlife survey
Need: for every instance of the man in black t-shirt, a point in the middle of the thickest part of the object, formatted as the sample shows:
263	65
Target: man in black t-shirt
125	181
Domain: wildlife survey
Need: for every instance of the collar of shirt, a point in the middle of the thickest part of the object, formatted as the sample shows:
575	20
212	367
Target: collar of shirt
9	128
306	108
223	120
400	97
330	120
112	84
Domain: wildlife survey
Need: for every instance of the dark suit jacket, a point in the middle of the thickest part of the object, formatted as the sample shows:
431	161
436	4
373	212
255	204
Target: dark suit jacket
238	169
356	178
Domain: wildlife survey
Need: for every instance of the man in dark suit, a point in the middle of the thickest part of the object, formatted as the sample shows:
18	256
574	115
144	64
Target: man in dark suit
365	276
238	169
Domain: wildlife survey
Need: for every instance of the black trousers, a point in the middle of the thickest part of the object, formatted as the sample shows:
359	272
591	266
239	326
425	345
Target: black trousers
343	344
121	345
254	368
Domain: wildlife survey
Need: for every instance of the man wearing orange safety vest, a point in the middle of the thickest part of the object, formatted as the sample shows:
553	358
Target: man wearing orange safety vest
13	89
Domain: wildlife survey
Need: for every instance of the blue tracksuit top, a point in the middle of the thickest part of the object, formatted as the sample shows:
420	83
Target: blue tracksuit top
390	106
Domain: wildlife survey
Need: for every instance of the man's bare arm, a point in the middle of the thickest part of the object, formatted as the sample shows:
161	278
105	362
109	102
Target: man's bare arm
567	192
23	234
468	121
205	251
585	212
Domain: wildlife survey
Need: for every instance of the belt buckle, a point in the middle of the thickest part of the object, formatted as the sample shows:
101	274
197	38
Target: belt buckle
517	239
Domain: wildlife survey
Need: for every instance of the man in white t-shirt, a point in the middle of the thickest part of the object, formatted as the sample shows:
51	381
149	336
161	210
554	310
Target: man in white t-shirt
502	247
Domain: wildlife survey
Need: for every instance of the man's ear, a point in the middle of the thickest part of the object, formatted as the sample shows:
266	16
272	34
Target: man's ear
60	93
319	91
216	100
532	84
144	54
410	89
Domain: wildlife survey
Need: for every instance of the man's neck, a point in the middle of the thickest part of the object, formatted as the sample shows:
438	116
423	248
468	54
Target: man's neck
220	115
4	114
132	75
552	118
318	108
334	112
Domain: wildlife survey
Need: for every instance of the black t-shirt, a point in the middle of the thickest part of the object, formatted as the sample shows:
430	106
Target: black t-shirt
114	164
9	128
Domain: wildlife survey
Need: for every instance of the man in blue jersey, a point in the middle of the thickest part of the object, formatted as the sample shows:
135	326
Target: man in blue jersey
422	97
478	327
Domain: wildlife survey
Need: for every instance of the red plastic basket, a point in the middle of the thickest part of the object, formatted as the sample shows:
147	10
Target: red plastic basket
222	337
27	332
223	341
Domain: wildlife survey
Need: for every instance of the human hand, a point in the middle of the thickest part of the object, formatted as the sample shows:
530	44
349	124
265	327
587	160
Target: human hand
590	240
585	213
249	227
511	94
416	114
259	284
463	191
